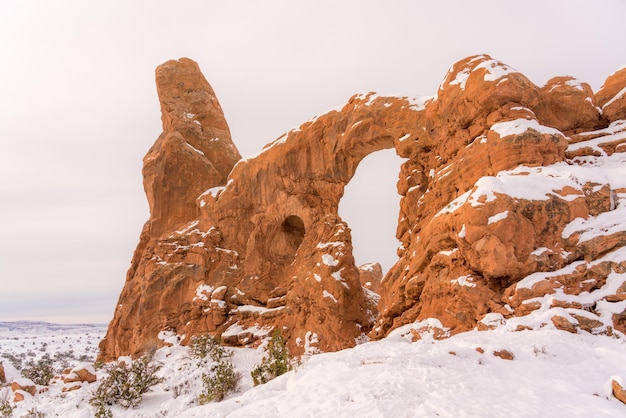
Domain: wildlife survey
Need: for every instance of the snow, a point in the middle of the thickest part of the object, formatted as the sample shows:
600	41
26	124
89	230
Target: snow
539	251
519	126
497	217
213	192
404	137
419	103
612	256
23	382
605	223
188	227
541	183
202	291
448	253
461	78
613	128
329	260
323	245
196	150
464	281
84	366
577	84
619	95
594	144
237	329
329	295
310	342
495	70
337	276
553	373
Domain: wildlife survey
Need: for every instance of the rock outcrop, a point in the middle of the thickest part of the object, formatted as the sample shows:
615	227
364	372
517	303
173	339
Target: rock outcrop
499	205
263	248
500	190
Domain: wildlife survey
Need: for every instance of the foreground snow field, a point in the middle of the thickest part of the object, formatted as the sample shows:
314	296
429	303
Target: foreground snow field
553	374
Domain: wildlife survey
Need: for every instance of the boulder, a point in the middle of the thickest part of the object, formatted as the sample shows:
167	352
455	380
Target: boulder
611	97
618	391
84	372
568	105
23	389
504	354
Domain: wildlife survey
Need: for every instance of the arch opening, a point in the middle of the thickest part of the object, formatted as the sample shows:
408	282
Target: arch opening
370	205
293	228
284	240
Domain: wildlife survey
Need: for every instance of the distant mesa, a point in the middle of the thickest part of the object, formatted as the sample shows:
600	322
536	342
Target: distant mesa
509	192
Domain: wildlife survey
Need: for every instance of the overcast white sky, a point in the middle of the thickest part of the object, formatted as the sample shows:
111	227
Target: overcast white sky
78	109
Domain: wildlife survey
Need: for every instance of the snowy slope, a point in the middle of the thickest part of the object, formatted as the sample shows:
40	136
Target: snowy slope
553	373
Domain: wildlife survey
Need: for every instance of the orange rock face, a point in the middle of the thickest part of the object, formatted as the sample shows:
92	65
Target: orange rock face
498	185
493	195
612	96
260	249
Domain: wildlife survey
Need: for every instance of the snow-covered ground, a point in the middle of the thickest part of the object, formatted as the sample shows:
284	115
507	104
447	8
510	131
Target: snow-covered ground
24	341
553	374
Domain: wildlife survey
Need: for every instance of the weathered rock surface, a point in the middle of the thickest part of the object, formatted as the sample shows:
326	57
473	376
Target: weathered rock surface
611	97
494	195
502	205
371	276
195	151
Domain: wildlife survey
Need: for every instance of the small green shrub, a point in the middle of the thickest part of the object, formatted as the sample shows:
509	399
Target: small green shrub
34	413
40	372
275	363
6	410
202	346
125	385
16	361
222	380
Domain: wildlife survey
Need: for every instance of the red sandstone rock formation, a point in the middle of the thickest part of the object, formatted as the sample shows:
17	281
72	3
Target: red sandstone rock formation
499	194
493	194
611	97
264	248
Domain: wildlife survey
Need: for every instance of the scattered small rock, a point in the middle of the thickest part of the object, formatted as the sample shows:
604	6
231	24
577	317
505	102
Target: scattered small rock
504	354
618	391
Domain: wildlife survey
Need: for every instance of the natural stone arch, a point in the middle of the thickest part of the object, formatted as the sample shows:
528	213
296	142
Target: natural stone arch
370	205
270	238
